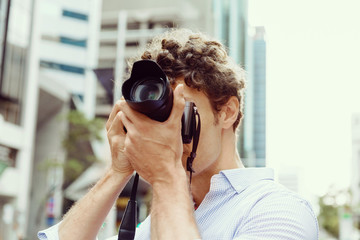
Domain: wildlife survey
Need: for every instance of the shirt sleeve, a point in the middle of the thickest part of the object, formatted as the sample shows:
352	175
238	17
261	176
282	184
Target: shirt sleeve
280	218
50	233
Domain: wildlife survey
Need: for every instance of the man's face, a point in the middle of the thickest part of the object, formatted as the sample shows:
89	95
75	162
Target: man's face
209	146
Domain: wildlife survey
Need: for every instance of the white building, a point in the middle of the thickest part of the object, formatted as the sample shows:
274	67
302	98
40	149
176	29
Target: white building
18	113
49	56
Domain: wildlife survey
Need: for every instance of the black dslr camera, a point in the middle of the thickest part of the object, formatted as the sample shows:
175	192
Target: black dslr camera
148	91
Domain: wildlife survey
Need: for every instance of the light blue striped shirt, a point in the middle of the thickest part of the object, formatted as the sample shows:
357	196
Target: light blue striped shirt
245	204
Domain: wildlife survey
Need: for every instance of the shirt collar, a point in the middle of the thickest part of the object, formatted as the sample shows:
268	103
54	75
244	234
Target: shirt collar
241	178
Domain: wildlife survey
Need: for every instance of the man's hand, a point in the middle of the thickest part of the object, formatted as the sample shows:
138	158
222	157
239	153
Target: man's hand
154	148
86	217
116	136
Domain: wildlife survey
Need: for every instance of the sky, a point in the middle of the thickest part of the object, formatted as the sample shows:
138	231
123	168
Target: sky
313	84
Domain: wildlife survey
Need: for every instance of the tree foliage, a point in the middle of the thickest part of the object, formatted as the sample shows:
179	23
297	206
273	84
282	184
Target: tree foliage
331	204
77	144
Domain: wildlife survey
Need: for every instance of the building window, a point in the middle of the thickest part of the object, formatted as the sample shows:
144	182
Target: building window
8	155
65	40
11	92
62	67
76	15
13	66
75	42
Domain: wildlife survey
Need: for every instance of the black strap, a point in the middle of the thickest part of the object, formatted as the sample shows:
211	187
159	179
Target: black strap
129	220
134	188
196	137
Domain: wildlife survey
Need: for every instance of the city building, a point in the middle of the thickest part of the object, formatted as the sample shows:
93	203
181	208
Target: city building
253	137
18	108
47	58
247	46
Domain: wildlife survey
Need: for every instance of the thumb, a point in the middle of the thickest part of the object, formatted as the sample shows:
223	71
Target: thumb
178	104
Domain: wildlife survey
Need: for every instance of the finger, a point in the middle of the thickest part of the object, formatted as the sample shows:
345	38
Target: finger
136	117
127	123
117	126
116	108
179	103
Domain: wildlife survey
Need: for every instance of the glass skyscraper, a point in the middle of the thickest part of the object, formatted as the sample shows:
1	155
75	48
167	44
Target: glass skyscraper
231	26
259	78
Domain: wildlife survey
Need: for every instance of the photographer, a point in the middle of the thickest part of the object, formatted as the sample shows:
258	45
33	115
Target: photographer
213	198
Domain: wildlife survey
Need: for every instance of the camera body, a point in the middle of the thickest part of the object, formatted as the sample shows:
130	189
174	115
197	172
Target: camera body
148	91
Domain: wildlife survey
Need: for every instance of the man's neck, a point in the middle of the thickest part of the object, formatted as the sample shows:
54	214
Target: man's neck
228	159
200	184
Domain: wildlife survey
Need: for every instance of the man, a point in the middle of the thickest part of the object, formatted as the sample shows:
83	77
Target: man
224	200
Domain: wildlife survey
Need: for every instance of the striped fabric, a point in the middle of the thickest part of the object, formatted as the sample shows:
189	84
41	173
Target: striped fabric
245	204
50	233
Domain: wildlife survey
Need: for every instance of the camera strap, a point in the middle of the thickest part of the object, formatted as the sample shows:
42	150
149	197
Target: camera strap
195	141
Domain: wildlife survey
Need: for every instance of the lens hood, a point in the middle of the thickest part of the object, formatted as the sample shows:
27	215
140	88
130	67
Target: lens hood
159	109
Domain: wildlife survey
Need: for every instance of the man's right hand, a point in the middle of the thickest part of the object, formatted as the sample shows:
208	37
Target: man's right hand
116	136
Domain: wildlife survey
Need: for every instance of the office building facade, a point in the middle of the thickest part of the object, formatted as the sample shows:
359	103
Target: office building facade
17	116
47	56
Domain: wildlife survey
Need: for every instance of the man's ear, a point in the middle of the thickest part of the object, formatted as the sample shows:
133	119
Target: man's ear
229	112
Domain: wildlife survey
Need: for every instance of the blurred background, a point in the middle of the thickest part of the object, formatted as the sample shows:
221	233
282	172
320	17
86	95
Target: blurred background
60	61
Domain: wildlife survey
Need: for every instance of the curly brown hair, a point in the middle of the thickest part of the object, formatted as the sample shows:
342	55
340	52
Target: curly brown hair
204	64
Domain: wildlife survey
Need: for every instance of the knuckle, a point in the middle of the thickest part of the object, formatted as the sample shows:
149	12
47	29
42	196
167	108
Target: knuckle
117	143
119	115
118	103
122	104
127	145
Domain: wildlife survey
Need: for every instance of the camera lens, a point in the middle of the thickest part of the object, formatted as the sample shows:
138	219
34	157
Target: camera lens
147	89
